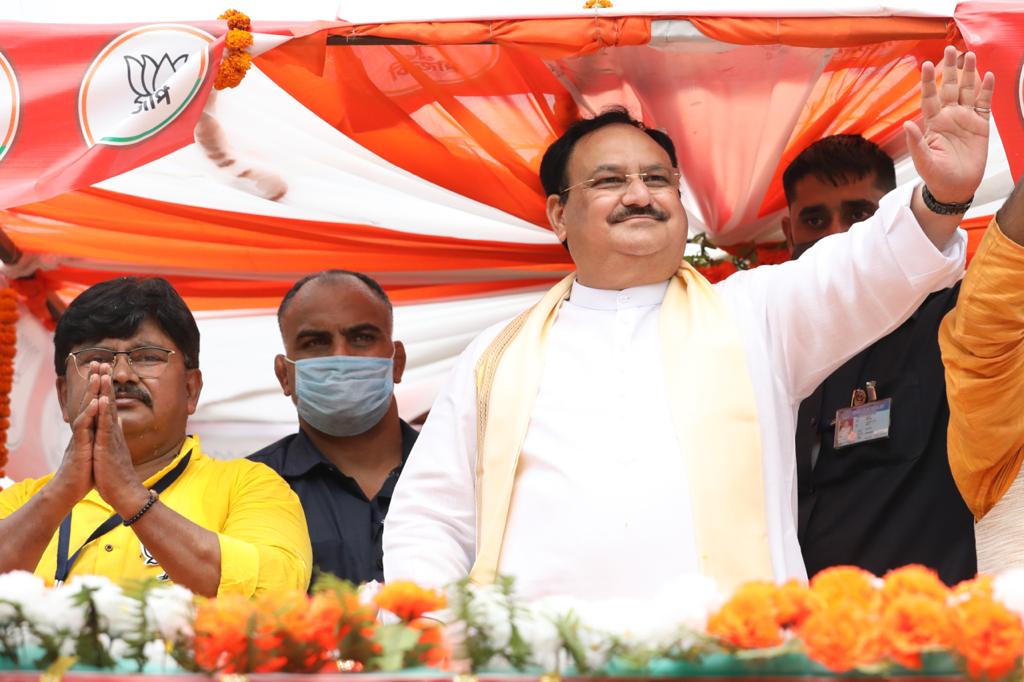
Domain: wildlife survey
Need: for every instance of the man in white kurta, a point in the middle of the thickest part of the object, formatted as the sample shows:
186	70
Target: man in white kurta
601	505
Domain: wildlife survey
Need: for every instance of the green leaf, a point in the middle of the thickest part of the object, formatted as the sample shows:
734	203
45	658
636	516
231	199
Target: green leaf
396	640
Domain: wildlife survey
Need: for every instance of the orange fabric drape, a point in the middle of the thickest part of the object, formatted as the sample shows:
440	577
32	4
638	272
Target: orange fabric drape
550	38
870	91
224	260
212	293
107	227
826	31
474	119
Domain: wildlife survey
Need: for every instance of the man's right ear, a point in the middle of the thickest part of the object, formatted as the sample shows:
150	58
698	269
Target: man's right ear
556	215
281	371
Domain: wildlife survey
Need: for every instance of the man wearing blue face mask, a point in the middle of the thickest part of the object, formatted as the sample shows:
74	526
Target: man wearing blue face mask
339	368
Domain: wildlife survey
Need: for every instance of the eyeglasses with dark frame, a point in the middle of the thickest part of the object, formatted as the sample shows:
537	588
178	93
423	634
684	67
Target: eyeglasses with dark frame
654	181
148	362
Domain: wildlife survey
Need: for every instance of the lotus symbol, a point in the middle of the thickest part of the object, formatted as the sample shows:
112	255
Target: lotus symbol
146	78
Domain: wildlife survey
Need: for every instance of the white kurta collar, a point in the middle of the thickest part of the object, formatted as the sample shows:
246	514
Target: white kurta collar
609	299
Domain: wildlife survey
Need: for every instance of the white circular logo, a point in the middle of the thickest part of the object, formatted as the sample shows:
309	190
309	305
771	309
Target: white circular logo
140	82
10	105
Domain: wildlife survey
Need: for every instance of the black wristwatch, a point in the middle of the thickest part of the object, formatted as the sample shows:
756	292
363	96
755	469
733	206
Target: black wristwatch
936	206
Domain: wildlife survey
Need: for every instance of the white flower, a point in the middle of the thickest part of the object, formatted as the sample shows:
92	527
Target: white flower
541	636
169	610
1008	588
119	614
54	611
491	609
157	658
687	602
18	587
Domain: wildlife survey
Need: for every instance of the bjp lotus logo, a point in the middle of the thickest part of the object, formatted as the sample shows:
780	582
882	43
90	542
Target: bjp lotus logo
140	82
146	77
10	105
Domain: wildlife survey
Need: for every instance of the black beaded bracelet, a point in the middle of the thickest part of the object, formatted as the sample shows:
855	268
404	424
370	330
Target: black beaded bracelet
153	497
936	206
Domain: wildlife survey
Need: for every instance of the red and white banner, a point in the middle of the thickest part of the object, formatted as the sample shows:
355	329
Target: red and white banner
79	104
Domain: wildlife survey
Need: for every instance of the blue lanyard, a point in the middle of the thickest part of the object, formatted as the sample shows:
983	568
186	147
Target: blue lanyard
64	562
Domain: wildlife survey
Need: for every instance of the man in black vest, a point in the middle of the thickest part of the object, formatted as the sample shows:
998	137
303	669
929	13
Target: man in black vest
875	488
339	368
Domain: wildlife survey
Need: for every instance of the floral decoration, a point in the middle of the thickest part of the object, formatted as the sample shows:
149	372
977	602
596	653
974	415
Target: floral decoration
236	60
716	264
8	348
845	619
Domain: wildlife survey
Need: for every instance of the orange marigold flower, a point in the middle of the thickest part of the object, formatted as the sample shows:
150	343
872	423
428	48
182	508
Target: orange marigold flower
236	20
841	637
988	635
221	633
409	601
239	61
912	624
979	586
238	39
749	618
847	585
914	579
272	665
431	649
794	601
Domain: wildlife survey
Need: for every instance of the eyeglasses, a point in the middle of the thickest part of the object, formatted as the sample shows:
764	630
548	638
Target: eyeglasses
616	183
146	361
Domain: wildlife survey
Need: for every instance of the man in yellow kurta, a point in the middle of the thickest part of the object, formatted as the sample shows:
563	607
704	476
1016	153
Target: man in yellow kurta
135	496
982	343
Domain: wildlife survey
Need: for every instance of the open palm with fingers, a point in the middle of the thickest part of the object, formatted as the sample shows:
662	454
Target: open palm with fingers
950	153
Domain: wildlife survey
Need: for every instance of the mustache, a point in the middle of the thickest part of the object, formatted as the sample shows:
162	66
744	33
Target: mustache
133	391
627	212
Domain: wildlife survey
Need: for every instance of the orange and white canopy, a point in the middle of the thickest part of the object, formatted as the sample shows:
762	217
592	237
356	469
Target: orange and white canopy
402	139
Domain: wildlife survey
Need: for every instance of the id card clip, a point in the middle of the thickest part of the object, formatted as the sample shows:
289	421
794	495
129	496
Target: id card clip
866	419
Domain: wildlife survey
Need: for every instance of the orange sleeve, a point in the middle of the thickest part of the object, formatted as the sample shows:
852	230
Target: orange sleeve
982	342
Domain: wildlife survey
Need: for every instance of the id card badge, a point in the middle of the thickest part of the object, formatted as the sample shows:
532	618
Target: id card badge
863	423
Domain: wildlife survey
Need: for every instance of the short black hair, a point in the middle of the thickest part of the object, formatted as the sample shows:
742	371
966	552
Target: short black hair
840	159
556	158
370	282
114	310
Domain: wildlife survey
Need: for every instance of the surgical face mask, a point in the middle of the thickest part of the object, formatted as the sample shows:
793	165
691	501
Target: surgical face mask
343	395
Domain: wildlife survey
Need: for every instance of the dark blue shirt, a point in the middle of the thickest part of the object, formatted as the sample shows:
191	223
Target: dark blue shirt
345	528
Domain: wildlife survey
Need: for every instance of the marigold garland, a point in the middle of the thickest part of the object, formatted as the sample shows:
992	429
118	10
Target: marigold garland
750	618
236	60
913	624
409	601
8	348
847	618
988	635
290	631
715	268
841	638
